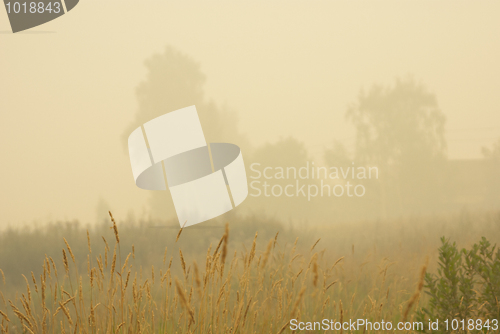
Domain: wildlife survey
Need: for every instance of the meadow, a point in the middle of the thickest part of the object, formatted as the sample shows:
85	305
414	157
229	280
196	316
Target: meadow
245	275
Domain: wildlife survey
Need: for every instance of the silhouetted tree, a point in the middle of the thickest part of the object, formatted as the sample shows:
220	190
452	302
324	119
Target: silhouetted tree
173	81
337	155
493	153
492	157
400	129
285	153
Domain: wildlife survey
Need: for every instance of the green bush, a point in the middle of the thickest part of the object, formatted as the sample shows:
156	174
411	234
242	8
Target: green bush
467	286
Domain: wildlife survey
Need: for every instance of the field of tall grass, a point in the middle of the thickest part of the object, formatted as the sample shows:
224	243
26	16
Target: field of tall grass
251	275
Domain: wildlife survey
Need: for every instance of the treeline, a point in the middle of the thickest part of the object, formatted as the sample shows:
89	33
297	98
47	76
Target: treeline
399	129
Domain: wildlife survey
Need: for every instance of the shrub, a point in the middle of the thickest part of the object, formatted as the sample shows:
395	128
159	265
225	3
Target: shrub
467	286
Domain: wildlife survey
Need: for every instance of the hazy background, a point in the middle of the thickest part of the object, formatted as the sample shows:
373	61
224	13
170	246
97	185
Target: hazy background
285	68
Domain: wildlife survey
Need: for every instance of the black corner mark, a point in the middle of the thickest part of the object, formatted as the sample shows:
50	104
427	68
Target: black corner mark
70	4
26	14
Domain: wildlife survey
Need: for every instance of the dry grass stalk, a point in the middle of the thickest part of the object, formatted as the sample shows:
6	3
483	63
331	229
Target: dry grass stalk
20	315
197	279
330	285
420	285
5	316
114	227
336	262
297	302
276	239
119	327
125	263
266	254
184	300
34	282
70	251
218	246
88	242
66	312
224	246
180	231
315	244
113	263
183	263
65	261
294	246
252	250
106	250
315	269
283	327
224	250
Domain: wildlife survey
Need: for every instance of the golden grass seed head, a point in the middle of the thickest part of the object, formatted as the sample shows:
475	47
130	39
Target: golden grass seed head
114	227
65	261
88	241
69	250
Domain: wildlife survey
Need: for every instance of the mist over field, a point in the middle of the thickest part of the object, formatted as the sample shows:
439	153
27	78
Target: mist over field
370	133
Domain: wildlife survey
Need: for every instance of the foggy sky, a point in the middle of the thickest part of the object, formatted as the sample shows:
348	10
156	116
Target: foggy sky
67	88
